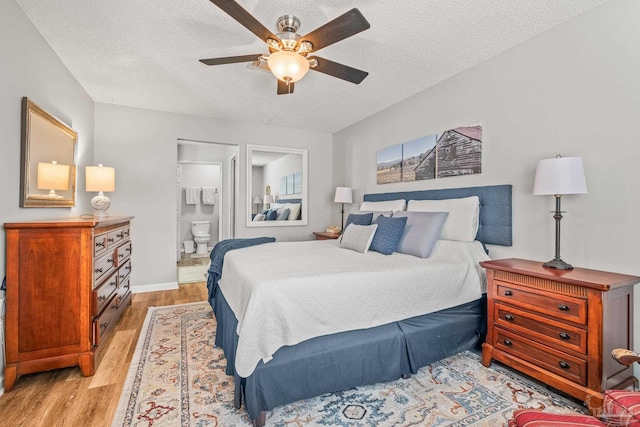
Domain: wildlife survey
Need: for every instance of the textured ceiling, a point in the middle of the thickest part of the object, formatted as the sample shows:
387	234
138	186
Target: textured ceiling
145	53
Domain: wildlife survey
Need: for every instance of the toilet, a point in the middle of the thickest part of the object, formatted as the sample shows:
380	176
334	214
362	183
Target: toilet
200	231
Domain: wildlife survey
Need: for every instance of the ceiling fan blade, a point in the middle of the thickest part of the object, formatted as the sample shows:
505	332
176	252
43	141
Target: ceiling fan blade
238	13
230	59
340	71
340	28
285	88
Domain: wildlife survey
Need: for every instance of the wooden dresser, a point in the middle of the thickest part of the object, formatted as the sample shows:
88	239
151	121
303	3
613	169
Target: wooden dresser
560	326
67	285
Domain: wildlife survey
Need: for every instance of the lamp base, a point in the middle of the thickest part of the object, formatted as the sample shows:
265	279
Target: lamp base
100	204
558	264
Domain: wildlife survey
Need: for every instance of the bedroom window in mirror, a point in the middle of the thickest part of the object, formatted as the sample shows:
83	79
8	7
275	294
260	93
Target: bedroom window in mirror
284	172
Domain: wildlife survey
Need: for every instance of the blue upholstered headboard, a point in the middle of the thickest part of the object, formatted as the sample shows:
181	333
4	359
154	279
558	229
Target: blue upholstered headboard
495	226
291	201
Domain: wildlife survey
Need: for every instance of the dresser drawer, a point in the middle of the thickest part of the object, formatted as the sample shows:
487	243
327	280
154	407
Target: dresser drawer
567	366
563	307
124	271
103	266
123	252
561	336
105	321
115	237
99	245
103	293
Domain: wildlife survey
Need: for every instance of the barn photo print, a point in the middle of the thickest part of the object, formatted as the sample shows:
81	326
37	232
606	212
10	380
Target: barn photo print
454	152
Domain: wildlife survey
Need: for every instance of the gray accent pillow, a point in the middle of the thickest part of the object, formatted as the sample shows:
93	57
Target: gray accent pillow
358	237
421	232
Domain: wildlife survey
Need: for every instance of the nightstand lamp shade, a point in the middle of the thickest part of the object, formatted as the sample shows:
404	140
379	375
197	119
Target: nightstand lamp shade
52	177
100	178
343	195
558	176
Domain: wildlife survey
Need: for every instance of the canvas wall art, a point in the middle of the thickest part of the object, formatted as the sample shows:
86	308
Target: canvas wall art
451	153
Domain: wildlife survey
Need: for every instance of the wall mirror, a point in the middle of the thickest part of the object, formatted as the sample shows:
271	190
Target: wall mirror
276	186
48	169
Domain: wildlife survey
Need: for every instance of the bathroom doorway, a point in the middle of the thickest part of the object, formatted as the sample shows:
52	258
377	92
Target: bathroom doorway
203	195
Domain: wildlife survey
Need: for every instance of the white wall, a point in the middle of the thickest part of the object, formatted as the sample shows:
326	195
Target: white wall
282	167
575	91
29	67
141	145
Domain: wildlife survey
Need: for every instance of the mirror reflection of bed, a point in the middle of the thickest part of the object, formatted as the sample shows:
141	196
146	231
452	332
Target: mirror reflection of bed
383	314
276	186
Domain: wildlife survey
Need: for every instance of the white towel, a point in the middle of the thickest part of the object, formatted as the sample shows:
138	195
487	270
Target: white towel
192	195
208	195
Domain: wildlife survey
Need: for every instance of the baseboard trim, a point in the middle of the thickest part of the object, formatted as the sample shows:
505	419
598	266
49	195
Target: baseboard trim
154	287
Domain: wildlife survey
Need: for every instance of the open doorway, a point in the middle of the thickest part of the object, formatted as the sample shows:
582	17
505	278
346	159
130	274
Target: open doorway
205	197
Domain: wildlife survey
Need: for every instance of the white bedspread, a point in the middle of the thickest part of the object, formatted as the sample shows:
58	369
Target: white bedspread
285	293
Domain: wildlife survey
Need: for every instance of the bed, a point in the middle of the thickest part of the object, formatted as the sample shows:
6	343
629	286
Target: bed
280	351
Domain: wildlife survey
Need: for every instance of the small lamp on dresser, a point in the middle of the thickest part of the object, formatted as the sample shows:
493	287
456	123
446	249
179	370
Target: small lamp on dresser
558	176
100	178
343	195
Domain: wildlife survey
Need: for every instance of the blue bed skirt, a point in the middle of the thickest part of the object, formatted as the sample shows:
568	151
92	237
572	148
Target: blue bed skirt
348	359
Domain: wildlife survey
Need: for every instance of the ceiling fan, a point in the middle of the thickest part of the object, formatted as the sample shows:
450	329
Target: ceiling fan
288	57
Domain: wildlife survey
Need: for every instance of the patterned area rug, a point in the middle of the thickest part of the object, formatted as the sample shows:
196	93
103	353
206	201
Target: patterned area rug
177	378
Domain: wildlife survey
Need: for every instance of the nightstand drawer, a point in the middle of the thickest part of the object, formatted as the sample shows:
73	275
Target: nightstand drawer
563	307
567	366
561	336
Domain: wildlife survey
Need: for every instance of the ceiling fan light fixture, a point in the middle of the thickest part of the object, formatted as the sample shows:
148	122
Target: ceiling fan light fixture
288	66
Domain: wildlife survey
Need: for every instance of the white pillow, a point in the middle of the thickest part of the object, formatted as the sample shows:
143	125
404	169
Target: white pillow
276	206
462	221
358	237
294	210
259	217
388	205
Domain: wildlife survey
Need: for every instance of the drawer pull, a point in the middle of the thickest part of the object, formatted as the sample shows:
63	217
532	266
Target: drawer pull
120	235
507	342
100	244
104	325
120	255
508	293
563	364
563	307
111	239
102	298
508	317
110	261
98	270
128	249
128	267
565	336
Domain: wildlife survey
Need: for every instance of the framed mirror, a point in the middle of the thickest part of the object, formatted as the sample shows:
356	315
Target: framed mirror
276	186
48	168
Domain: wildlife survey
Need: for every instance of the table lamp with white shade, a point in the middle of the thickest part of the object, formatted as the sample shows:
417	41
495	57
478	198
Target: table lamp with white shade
53	176
100	178
557	177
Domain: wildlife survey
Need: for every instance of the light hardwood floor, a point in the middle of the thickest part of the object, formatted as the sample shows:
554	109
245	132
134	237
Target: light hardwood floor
63	397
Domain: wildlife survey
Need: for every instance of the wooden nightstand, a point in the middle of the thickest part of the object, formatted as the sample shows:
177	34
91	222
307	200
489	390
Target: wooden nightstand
323	235
560	326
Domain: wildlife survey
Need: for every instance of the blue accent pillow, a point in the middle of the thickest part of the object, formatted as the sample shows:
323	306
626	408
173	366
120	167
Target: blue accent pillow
358	219
272	215
388	234
285	214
